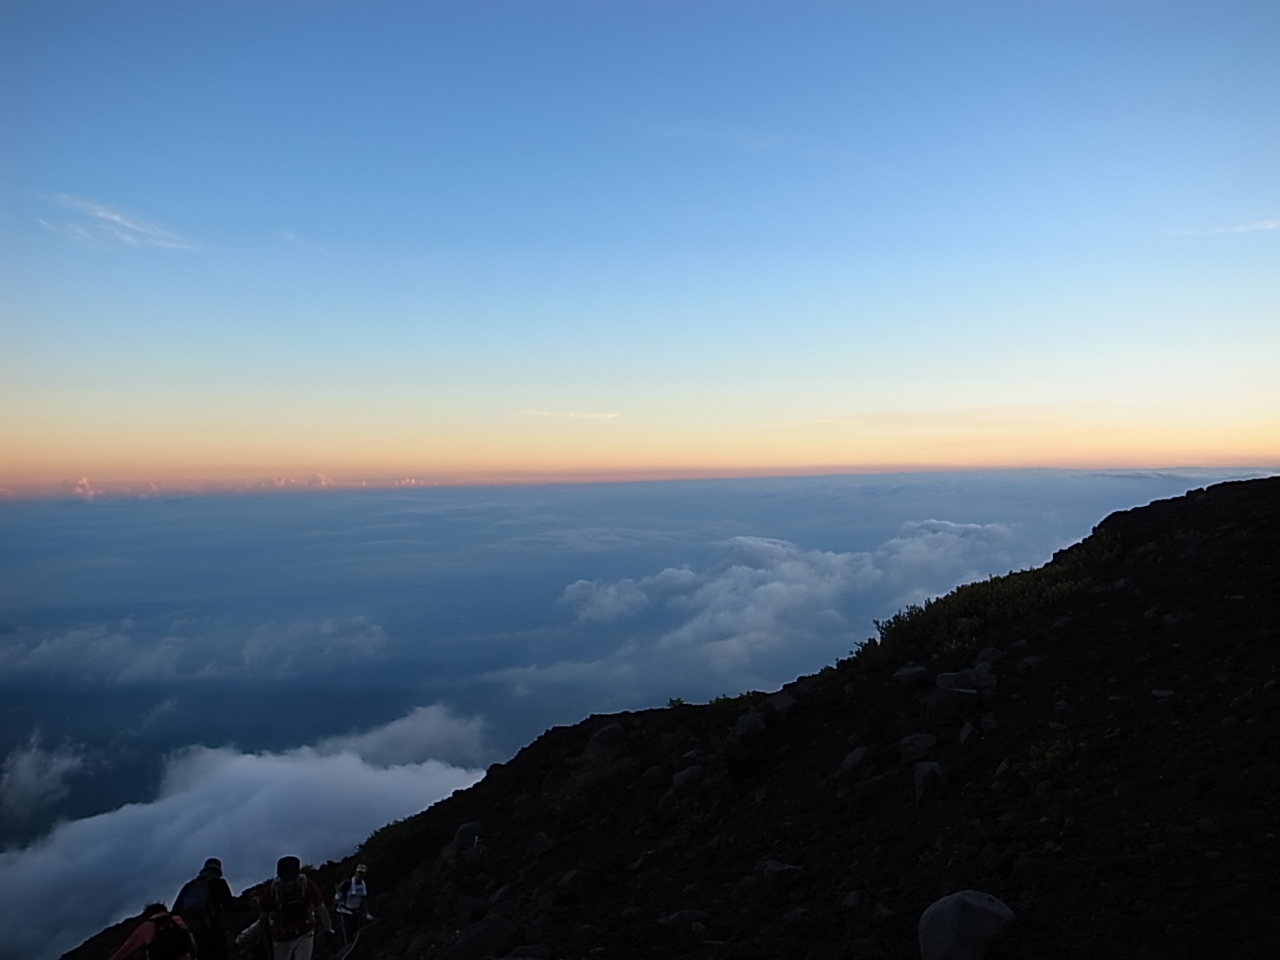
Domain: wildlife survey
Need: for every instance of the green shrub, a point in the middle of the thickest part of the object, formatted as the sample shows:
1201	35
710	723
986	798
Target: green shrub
1048	759
956	620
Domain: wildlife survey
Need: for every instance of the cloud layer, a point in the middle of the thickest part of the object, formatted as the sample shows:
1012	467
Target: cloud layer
768	605
246	808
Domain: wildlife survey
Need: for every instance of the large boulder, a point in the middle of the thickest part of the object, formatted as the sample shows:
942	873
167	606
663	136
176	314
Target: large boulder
605	744
963	926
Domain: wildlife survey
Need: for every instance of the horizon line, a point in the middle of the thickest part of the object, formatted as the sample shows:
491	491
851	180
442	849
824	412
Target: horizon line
84	488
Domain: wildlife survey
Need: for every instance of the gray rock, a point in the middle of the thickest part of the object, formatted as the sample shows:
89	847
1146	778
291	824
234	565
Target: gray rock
1207	827
796	915
480	941
683	918
853	759
916	746
750	725
466	835
990	655
687	777
989	723
1029	664
910	675
963	926
967	733
468	910
852	900
930	779
655	776
537	951
539	845
606	743
610	735
981	677
949	703
768	869
782	702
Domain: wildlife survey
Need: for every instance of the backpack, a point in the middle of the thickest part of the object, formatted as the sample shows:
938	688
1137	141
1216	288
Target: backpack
291	917
170	941
195	906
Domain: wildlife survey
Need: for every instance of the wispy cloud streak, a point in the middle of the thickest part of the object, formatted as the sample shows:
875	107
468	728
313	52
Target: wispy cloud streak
294	240
1255	227
104	224
742	141
570	415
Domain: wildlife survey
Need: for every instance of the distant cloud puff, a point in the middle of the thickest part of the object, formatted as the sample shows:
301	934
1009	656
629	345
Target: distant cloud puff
97	652
248	809
741	622
32	777
428	732
125	652
597	600
298	645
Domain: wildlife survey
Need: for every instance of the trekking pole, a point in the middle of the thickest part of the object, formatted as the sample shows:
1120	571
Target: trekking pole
345	952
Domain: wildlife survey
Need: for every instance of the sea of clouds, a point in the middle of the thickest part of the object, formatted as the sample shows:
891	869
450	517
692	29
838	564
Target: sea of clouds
248	677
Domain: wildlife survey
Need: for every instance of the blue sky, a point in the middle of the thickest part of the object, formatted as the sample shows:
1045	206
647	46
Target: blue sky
381	240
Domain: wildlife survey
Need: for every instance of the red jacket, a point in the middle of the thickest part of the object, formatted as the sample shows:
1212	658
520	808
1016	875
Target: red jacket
145	932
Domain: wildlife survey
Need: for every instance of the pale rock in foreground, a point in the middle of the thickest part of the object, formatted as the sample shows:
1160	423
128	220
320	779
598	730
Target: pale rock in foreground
963	926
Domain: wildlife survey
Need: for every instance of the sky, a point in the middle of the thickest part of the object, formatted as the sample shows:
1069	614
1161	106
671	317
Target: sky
322	323
258	674
329	242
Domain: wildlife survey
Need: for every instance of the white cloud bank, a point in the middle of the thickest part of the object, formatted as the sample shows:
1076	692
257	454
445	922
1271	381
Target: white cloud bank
248	809
768	607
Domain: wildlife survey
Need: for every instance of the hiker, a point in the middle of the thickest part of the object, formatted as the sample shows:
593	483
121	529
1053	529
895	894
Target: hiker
291	909
201	903
352	901
162	935
252	942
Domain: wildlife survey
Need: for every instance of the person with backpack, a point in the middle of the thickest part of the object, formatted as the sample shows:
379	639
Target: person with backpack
161	935
352	901
291	909
201	903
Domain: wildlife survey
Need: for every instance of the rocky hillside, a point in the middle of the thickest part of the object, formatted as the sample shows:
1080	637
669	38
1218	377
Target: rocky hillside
1095	743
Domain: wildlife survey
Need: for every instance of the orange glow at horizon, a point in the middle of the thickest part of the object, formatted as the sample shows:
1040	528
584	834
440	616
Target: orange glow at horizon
618	450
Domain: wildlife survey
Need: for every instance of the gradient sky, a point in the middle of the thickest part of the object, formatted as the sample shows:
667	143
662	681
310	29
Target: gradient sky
507	240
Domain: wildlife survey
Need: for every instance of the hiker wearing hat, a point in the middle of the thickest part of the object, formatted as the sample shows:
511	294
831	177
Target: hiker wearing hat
352	901
291	909
201	903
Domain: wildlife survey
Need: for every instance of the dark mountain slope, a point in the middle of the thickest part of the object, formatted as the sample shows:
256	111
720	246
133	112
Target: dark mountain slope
1112	776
